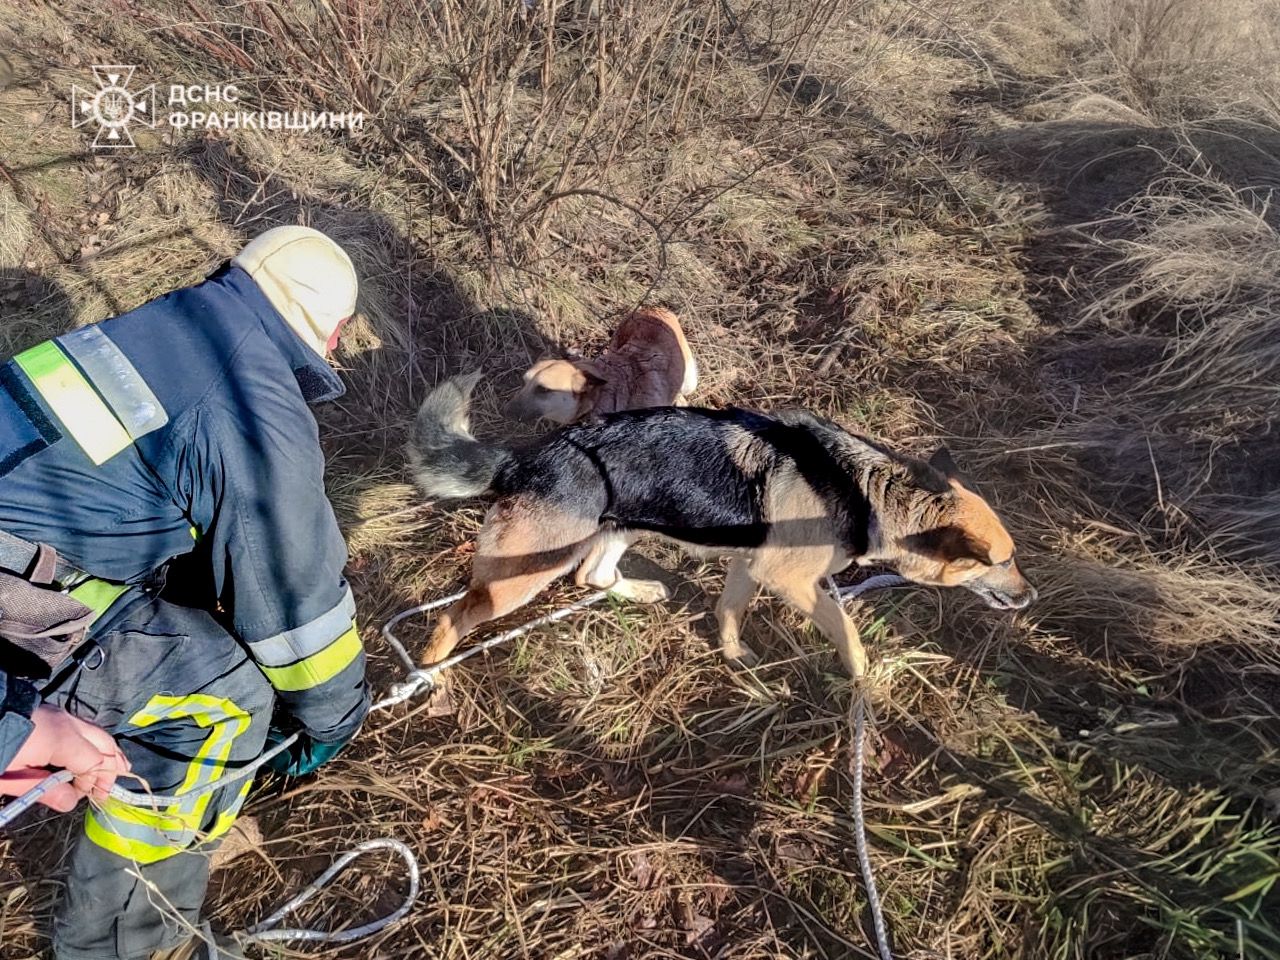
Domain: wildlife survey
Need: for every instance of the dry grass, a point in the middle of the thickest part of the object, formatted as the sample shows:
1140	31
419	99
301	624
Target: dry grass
1180	59
1042	234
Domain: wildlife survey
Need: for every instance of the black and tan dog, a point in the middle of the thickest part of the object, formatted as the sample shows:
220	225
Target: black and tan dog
792	497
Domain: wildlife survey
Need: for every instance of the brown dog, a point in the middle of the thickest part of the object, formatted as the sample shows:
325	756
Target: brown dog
648	364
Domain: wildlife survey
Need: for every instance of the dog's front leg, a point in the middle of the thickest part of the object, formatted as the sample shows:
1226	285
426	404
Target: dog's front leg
835	623
453	625
449	630
827	615
739	588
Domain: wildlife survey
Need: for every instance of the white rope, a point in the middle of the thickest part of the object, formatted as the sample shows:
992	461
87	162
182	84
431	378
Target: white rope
264	932
32	796
859	740
419	678
860	829
880	581
157	800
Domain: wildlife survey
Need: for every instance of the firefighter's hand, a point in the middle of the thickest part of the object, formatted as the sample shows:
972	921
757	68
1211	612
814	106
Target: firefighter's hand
59	741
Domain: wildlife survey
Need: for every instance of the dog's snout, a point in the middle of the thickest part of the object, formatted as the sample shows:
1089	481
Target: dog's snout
1004	589
1020	594
1026	593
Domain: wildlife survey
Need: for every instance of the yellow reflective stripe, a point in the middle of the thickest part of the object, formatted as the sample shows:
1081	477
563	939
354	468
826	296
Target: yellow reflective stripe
89	421
98	595
112	837
228	817
290	646
116	380
211	760
226	722
142	833
147	835
170	824
319	667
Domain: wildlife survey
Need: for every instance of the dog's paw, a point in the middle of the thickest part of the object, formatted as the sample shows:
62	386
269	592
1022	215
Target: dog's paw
860	666
875	684
439	702
739	654
641	591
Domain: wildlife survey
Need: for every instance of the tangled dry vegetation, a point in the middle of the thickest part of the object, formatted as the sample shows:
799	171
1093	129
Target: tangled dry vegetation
1042	232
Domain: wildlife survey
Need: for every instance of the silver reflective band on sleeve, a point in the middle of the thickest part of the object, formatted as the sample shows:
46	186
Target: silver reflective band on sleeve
120	384
301	642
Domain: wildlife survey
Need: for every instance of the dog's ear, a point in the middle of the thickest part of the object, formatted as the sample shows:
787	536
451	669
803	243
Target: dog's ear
953	545
945	465
942	462
594	373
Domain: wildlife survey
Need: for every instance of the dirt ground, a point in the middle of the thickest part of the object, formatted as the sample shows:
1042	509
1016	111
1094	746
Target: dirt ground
1042	233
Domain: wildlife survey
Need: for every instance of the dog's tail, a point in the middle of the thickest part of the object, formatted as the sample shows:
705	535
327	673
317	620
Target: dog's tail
448	462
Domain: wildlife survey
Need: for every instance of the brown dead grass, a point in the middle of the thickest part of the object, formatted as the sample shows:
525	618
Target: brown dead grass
1180	59
960	222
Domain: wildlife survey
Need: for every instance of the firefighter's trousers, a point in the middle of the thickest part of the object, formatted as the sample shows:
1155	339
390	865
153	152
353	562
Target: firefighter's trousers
186	705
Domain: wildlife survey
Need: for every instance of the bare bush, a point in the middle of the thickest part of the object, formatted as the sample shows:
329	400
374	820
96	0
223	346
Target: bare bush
1181	59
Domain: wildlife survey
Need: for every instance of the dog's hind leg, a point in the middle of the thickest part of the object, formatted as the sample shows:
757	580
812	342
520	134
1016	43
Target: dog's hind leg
600	569
796	577
739	588
519	552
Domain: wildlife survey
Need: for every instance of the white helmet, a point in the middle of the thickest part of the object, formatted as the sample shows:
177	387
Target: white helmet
307	277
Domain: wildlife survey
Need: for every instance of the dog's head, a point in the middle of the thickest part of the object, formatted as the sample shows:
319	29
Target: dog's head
969	546
556	390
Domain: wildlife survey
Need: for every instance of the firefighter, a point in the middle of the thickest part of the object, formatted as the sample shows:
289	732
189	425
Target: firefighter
170	453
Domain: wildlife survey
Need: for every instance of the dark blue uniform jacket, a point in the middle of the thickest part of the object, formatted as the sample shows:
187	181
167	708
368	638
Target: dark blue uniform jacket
125	443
